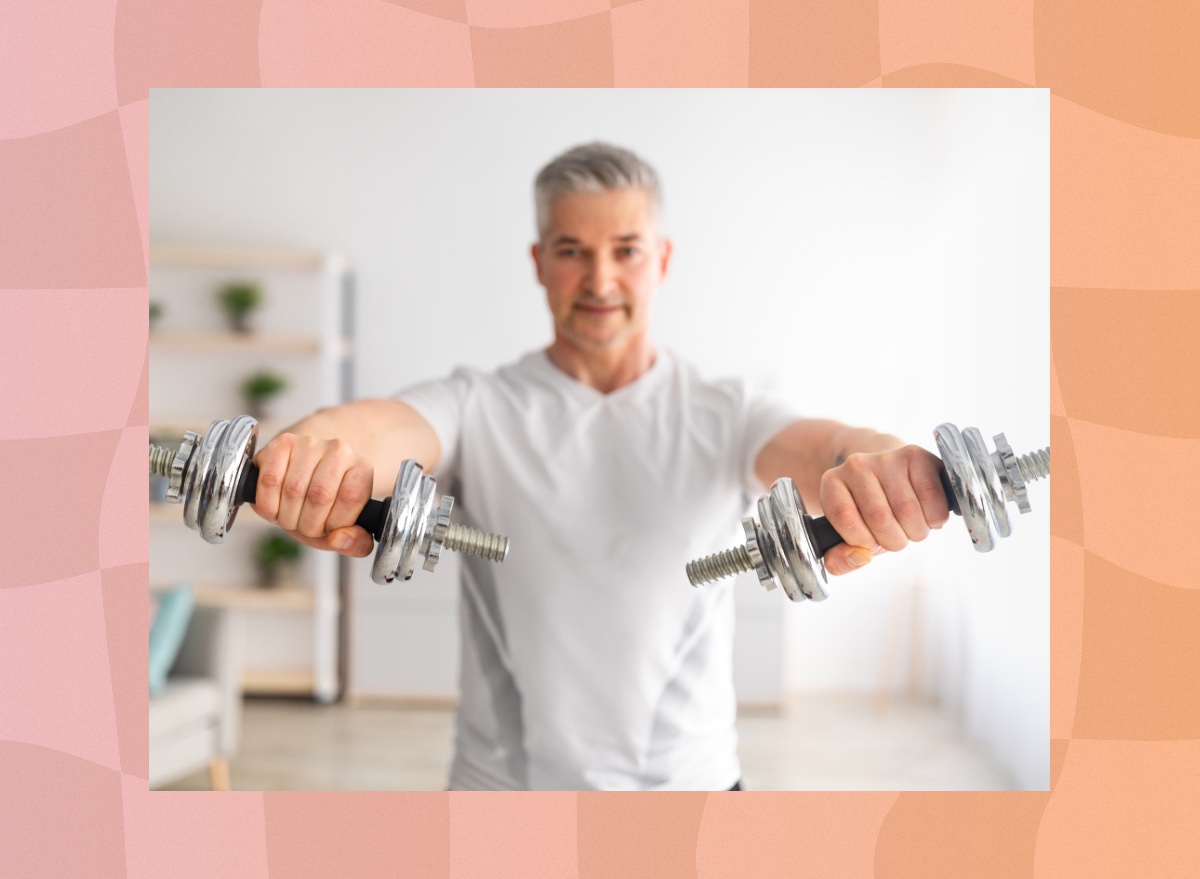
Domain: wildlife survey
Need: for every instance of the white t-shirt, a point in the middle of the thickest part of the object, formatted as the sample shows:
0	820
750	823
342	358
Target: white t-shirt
588	660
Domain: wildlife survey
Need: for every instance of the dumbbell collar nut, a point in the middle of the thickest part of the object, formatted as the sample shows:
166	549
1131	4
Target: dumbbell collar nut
179	465
750	527
435	533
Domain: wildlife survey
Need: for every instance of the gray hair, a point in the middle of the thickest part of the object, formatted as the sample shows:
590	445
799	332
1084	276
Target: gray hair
593	167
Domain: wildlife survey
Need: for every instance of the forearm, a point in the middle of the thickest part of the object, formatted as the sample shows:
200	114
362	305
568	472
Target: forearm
383	431
849	440
805	449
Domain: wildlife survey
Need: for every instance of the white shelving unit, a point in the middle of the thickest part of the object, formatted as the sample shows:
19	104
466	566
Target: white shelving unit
293	644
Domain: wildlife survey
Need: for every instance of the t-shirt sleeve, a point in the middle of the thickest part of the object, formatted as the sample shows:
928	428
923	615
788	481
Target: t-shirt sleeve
441	402
764	415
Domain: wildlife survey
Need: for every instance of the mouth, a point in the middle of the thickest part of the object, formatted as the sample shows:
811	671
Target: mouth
599	309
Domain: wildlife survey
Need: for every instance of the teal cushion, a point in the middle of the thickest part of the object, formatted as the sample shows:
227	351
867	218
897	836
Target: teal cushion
167	631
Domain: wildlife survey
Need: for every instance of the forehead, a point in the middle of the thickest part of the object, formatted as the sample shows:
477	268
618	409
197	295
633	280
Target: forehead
602	214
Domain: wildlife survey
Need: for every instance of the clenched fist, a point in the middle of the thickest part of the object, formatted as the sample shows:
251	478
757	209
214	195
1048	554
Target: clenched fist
314	489
880	501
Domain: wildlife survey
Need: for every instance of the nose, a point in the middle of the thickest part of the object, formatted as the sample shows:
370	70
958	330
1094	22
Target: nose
602	275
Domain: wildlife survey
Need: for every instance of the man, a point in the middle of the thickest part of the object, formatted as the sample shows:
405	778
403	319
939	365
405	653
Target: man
588	662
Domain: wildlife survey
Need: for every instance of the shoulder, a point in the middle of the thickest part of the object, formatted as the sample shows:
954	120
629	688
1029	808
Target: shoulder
463	378
735	397
517	379
699	384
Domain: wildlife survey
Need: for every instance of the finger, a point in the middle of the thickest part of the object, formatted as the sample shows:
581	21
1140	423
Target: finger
876	510
839	508
924	471
304	460
352	541
906	508
844	558
353	494
272	462
872	504
323	489
360	542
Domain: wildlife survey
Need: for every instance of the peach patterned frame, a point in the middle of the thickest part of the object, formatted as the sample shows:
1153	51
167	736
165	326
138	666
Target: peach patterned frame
1125	310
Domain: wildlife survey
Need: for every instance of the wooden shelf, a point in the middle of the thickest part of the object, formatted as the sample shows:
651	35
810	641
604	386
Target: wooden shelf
173	514
224	343
277	681
292	596
258	598
244	258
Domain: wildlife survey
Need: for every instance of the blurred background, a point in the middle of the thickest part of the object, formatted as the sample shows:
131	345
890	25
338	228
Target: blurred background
878	256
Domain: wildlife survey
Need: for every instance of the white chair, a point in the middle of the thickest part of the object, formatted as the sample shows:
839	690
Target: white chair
195	721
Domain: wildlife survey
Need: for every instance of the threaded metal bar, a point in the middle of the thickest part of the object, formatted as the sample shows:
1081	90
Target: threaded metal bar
466	540
719	565
160	461
1035	465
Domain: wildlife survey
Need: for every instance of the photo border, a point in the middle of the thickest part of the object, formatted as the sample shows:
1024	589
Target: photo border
1124	312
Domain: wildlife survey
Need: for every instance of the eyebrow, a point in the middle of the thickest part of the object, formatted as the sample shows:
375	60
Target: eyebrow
567	239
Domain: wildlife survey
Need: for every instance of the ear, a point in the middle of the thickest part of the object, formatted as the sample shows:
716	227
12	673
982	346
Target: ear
665	258
535	250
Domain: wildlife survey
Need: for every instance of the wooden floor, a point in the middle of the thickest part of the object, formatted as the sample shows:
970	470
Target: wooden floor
819	743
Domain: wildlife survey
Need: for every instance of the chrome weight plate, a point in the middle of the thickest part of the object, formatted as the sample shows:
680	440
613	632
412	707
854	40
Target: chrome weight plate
974	483
212	479
789	550
404	525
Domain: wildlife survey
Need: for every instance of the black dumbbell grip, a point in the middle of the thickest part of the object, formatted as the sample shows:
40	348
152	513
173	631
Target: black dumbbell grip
371	518
824	538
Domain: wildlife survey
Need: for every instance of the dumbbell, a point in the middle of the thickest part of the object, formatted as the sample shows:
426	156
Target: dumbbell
786	545
212	477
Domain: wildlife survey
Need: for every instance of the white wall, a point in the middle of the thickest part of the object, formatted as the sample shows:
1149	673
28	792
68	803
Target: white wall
879	255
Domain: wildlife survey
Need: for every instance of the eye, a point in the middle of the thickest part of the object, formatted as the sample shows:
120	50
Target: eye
568	252
627	251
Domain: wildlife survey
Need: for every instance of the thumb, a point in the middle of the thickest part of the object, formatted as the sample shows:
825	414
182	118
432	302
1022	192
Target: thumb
352	541
843	559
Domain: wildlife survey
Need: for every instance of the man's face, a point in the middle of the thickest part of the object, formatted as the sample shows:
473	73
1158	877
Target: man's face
601	261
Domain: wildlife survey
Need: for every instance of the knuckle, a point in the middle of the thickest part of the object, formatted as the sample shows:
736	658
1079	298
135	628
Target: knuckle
929	490
320	494
877	518
355	493
841	513
285	443
293	490
828	478
856	462
907	510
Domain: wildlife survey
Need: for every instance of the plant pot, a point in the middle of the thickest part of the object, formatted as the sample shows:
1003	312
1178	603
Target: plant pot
276	576
239	322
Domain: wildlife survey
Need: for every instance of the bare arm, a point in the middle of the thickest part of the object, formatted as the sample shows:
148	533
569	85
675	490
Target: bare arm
805	449
876	491
385	432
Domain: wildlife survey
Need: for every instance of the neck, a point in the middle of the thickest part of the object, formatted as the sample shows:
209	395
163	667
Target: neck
607	369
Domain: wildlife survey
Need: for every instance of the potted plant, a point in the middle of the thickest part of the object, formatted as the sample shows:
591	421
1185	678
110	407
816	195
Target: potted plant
259	389
240	299
277	556
156	313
